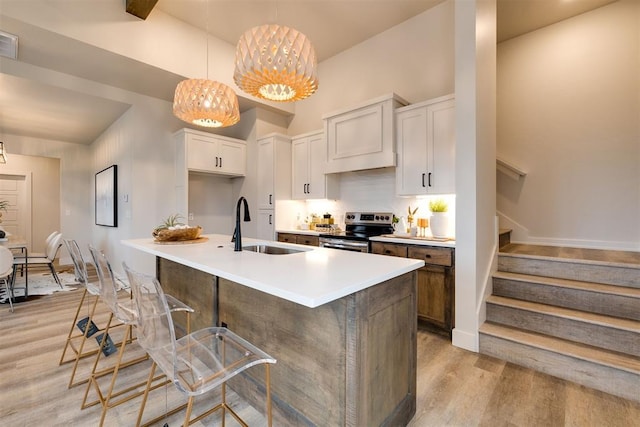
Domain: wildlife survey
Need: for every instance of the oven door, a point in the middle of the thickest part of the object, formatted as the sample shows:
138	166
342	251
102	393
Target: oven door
344	244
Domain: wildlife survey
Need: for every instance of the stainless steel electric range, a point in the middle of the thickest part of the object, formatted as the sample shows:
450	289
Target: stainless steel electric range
359	227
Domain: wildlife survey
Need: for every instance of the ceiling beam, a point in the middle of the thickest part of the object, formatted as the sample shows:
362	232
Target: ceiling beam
140	8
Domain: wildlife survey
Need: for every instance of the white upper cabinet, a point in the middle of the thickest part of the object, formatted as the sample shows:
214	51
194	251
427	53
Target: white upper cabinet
362	137
426	147
308	166
204	152
274	170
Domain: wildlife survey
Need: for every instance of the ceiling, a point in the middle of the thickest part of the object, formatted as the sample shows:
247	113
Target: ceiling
39	110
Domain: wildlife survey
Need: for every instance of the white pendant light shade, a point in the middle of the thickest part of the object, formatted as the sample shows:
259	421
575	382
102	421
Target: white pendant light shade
206	103
277	63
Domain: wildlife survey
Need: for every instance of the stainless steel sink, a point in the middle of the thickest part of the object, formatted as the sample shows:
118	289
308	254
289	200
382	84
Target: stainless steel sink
271	250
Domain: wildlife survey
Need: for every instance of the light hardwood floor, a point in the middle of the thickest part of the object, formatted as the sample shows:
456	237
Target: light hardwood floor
455	387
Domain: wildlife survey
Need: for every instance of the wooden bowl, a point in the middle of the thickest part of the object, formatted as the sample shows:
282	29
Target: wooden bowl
166	235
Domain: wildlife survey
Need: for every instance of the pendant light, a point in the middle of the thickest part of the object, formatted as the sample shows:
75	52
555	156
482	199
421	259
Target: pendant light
276	63
205	102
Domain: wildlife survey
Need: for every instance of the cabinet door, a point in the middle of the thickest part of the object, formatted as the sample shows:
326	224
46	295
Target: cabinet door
209	154
412	173
316	188
202	154
265	174
426	148
266	226
433	296
436	293
233	158
442	145
300	171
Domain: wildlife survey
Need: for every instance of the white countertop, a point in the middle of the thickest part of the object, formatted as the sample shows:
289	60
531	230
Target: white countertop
414	241
305	232
311	278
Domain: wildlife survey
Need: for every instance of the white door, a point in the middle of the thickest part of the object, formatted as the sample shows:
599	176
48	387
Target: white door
16	189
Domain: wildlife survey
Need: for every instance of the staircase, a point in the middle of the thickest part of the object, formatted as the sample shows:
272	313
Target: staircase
571	313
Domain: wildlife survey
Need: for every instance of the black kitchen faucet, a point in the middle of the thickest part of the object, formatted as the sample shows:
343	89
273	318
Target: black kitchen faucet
237	235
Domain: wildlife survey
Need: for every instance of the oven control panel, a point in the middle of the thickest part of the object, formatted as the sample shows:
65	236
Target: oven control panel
377	218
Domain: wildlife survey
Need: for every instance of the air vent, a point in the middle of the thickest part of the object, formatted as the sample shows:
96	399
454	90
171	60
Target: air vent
8	45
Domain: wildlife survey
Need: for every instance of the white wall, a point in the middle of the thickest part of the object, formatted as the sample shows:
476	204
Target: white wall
475	164
414	59
568	108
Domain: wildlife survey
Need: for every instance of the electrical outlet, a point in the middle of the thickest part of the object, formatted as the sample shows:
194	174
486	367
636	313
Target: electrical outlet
190	216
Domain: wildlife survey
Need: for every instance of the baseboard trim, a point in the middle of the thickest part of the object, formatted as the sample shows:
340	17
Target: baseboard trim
467	340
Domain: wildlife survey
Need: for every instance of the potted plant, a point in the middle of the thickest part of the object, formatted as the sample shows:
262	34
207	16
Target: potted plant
173	229
439	218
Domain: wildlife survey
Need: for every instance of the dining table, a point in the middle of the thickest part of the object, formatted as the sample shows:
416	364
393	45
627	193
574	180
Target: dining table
20	243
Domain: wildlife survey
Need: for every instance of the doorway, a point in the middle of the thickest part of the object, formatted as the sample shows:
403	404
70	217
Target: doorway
16	190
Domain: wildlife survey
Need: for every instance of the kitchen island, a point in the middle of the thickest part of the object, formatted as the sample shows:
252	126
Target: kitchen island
342	325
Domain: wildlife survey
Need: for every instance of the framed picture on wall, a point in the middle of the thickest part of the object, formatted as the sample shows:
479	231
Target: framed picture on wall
107	197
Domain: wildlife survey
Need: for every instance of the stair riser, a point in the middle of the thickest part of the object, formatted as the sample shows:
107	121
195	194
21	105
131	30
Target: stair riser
604	378
504	239
574	330
578	299
610	275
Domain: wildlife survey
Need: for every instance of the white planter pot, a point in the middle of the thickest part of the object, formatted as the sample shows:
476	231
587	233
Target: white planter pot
440	224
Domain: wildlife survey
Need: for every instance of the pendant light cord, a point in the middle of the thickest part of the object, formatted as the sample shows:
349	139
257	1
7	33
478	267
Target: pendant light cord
207	35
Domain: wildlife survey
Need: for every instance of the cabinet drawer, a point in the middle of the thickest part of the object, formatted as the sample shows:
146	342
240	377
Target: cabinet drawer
302	239
431	255
390	249
287	237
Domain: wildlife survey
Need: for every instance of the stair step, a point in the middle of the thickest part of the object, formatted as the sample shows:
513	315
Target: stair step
616	334
598	298
587	270
611	372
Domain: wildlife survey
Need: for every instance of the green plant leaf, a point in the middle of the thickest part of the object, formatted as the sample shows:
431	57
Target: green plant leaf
438	205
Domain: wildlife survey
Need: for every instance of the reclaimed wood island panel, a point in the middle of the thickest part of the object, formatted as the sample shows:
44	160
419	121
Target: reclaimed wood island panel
350	361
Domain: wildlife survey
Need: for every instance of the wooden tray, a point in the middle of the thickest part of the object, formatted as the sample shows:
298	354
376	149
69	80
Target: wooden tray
181	242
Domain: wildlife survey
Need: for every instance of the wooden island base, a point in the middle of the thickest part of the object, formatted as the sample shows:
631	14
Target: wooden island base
350	362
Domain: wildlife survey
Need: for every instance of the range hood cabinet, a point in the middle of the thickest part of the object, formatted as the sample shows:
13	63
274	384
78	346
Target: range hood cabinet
362	137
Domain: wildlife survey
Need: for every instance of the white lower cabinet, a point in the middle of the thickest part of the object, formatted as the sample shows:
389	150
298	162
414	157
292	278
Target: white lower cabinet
426	147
